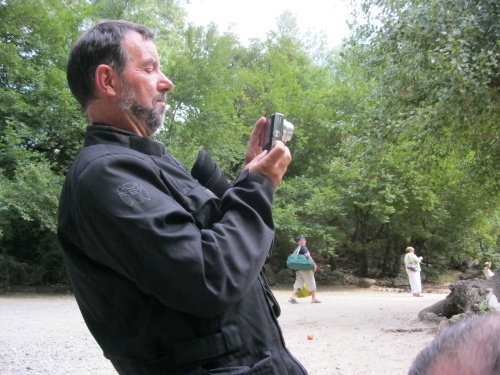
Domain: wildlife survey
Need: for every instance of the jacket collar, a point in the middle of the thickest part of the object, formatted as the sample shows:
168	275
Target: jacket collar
99	134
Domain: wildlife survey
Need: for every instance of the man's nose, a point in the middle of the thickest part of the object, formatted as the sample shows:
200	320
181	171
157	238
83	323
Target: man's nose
165	84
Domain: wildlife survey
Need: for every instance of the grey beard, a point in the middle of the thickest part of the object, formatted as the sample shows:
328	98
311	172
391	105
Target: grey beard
151	117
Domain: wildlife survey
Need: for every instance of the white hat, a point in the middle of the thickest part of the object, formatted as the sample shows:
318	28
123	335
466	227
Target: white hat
485	263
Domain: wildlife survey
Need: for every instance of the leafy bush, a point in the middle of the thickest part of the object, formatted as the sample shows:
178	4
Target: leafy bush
432	275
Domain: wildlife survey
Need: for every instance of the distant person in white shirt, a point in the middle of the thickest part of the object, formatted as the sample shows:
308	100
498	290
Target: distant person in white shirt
487	271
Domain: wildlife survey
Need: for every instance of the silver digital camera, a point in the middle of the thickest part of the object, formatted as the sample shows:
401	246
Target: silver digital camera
277	129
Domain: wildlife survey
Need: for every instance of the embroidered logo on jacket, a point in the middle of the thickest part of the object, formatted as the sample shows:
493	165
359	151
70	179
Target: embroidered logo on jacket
133	192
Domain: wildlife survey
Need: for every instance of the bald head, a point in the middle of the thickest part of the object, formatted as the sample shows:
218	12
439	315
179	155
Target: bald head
471	347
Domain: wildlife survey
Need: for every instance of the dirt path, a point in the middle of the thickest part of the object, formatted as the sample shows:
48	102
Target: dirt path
355	332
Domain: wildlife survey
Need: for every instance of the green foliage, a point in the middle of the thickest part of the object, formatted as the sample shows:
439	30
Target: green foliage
396	133
447	90
485	308
422	145
202	113
39	124
432	274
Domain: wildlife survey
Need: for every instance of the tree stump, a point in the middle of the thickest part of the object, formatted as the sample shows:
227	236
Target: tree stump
466	296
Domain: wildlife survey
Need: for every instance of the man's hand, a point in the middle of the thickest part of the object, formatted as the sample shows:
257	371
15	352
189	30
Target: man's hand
256	142
272	164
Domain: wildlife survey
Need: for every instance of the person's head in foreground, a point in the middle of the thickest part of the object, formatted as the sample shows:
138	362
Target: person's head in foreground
471	347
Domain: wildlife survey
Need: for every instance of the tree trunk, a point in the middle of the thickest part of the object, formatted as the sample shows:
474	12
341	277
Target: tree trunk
466	296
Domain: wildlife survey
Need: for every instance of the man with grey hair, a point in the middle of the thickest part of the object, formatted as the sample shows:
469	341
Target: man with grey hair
471	347
167	272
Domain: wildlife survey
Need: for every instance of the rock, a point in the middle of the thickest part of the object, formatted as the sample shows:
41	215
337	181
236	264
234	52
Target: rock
366	283
469	274
431	317
401	280
444	325
466	262
335	278
351	279
492	300
374	272
387	282
457	318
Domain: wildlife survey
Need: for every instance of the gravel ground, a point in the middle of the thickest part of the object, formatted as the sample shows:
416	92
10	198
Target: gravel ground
45	334
355	332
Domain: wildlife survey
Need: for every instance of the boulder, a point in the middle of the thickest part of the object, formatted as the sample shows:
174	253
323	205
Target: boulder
366	283
401	281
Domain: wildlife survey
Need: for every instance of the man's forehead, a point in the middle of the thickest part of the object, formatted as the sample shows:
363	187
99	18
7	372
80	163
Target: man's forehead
137	46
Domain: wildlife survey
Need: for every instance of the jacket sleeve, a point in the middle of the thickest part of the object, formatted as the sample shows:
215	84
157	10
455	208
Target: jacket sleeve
415	259
140	224
411	258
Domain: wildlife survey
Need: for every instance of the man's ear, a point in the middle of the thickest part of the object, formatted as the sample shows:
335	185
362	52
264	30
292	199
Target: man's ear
106	80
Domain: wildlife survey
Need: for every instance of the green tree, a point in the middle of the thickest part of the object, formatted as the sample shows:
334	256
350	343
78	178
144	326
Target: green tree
421	145
441	77
39	123
396	139
202	113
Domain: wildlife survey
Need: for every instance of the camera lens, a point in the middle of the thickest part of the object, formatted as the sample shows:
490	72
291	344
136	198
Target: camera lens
287	131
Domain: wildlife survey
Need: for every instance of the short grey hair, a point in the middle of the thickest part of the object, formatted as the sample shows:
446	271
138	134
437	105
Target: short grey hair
102	44
470	347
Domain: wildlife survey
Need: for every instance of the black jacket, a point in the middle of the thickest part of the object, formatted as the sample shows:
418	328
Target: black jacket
168	277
